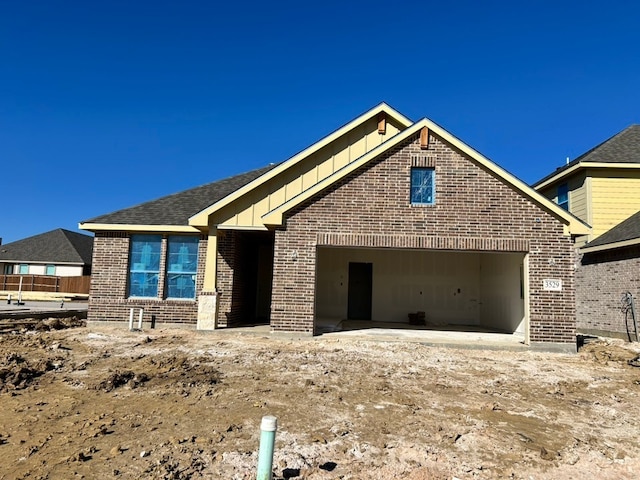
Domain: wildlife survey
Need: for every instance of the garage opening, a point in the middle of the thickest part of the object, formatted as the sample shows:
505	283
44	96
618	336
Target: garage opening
456	290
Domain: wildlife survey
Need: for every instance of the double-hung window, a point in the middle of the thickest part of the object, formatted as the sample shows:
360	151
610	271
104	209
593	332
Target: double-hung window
182	266
422	186
144	265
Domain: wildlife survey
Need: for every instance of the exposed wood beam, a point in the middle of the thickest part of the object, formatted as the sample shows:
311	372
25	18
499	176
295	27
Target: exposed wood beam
424	138
382	123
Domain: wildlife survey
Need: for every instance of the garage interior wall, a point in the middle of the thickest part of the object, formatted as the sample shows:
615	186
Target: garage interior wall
477	289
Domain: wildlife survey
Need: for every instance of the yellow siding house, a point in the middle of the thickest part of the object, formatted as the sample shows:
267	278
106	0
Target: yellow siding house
602	186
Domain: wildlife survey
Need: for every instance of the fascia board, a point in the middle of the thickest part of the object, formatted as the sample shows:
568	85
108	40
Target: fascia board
122	227
201	218
40	262
611	246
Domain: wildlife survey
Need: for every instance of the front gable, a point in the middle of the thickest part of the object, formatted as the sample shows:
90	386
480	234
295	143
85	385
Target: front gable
429	137
473	206
245	208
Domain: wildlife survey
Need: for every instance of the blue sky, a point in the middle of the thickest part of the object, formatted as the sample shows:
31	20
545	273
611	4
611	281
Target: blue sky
104	105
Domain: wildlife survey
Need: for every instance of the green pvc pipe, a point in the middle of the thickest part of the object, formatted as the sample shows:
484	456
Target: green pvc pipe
268	429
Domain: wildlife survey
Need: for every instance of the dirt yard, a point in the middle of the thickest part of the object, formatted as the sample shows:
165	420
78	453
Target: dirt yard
104	402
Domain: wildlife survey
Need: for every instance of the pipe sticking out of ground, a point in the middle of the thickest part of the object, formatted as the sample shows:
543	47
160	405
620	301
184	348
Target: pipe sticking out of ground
268	429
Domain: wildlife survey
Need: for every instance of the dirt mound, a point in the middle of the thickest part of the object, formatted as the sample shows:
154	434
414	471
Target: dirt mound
22	325
118	379
16	373
171	371
59	324
605	351
179	369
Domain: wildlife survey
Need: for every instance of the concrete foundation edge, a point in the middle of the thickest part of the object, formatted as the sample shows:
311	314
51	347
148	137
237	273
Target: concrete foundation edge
553	347
589	332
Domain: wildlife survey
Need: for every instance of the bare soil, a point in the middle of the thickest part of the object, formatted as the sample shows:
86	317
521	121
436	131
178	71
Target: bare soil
103	402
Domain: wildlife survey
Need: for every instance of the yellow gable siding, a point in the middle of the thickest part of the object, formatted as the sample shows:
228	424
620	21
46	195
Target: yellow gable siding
247	211
578	186
615	197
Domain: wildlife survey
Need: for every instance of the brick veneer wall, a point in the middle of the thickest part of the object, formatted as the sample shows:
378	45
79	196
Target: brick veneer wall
108	294
230	279
601	280
371	207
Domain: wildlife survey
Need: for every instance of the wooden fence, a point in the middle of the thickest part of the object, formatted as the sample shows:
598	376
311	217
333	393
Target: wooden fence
45	283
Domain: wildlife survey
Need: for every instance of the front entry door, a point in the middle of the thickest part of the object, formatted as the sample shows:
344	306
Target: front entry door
360	291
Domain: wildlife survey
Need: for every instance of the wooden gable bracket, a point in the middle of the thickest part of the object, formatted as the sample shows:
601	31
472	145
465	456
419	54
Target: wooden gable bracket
424	138
382	123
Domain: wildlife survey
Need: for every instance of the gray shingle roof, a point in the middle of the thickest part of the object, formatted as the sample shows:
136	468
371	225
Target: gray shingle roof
626	230
56	246
176	209
623	147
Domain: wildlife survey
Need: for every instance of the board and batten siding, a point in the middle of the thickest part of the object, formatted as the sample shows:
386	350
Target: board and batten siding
247	211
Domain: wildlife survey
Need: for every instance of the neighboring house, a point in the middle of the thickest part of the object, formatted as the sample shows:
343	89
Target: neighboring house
379	219
60	253
601	186
609	269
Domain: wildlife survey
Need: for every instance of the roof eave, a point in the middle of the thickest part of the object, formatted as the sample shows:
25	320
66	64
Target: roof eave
129	227
582	165
611	246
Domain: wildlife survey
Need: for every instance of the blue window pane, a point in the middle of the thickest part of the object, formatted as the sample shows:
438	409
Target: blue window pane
143	284
23	269
144	265
563	196
422	180
182	266
51	270
180	285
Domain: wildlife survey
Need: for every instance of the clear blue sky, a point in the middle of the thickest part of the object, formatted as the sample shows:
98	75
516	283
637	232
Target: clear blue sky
104	105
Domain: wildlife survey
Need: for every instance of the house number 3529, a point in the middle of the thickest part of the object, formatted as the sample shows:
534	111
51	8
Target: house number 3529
552	284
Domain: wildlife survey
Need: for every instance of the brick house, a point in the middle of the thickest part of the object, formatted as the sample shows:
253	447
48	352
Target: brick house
379	219
602	187
609	269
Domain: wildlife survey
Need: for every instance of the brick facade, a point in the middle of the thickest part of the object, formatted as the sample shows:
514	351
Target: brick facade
473	211
601	280
230	282
108	296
